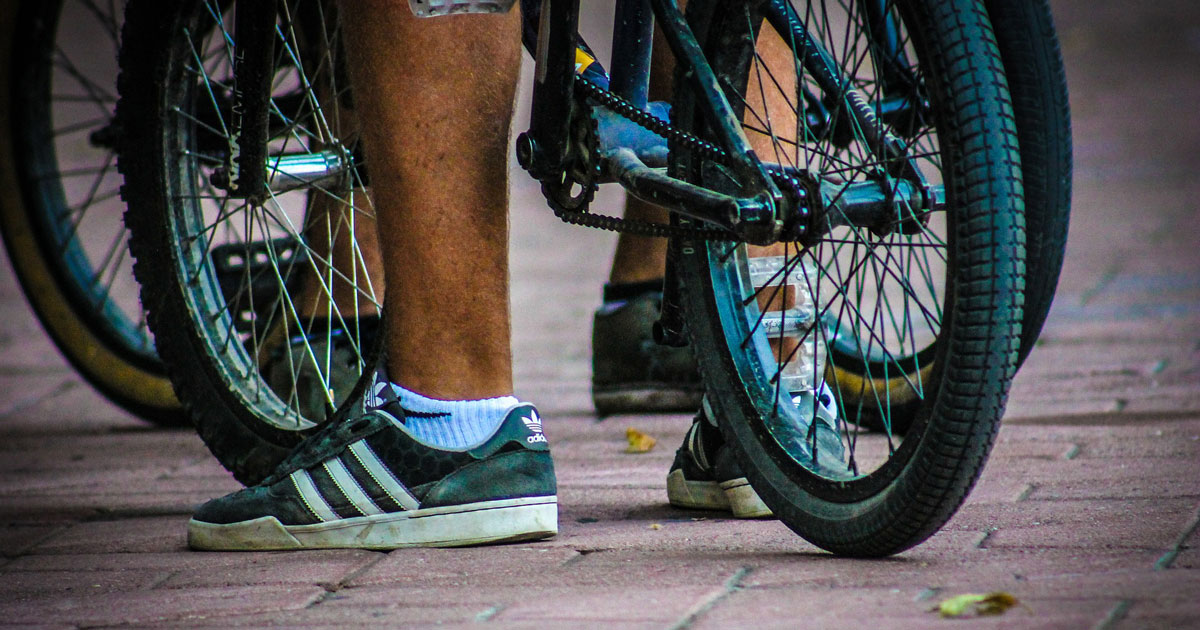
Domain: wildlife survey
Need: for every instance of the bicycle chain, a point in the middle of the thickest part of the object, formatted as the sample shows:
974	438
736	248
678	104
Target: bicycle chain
577	214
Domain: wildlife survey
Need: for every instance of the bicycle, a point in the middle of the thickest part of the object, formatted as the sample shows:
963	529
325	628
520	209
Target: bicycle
890	201
59	211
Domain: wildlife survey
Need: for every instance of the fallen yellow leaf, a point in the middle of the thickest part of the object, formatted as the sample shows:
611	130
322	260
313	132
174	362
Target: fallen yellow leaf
638	442
974	603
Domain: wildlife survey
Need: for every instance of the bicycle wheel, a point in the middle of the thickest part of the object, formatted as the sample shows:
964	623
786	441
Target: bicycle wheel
1037	80
59	210
913	320
262	305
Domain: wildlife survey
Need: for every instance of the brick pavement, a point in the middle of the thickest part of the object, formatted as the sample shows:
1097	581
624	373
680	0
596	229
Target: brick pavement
1087	511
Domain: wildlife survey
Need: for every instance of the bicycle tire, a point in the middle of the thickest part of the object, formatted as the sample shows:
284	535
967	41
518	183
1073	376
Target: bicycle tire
222	276
883	493
1029	48
60	218
1037	80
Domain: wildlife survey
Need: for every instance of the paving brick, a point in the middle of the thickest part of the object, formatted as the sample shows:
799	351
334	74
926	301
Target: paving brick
1079	524
1127	478
928	567
75	408
15	539
23	585
323	568
24	392
158	605
127	535
1162	613
136	449
466	567
875	607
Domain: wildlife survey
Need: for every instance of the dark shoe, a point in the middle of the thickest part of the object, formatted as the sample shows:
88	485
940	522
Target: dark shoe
296	368
364	482
706	476
630	372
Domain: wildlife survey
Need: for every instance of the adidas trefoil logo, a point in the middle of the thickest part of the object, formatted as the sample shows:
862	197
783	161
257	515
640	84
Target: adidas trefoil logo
534	424
375	398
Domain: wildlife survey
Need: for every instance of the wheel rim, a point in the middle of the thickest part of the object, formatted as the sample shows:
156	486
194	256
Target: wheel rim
67	141
244	264
877	301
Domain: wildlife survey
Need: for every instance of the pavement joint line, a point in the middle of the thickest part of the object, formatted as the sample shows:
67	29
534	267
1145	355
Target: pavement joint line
1106	279
580	554
163	579
732	585
1167	559
1115	614
22	404
981	541
1108	418
334	587
489	613
24	550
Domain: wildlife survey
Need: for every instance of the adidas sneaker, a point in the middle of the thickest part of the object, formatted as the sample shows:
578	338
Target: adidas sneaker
365	482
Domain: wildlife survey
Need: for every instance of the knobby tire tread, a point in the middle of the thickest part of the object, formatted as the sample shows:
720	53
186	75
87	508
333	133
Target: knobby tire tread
983	329
214	411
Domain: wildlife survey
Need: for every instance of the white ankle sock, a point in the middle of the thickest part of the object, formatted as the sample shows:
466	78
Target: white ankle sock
452	423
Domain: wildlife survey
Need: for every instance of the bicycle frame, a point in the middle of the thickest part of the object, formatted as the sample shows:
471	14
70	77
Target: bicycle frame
757	212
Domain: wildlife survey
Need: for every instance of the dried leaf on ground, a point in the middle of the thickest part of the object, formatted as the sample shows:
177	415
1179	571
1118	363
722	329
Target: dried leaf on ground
638	442
975	604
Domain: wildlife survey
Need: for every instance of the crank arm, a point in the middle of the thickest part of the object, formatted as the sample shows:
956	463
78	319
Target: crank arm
742	216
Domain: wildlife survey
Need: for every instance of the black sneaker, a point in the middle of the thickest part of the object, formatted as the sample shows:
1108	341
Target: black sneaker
365	482
706	476
630	372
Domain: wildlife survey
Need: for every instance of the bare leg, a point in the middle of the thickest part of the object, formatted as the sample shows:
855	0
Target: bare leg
435	97
351	282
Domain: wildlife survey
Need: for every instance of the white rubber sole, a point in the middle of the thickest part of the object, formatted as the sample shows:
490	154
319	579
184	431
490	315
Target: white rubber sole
734	495
506	520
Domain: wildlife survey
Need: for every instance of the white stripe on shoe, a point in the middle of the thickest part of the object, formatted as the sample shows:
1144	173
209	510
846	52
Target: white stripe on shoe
311	496
350	487
383	475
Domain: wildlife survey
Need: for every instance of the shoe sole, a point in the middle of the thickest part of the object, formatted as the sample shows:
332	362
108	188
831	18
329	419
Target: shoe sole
743	500
696	495
642	399
485	522
735	495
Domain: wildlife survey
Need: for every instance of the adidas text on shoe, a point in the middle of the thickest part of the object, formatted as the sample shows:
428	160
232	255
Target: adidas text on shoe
365	482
